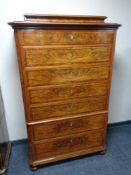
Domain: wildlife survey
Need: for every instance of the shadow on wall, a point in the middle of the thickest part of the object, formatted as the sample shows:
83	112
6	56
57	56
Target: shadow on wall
120	98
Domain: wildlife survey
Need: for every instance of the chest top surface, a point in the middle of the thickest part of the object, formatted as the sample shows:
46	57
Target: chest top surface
63	21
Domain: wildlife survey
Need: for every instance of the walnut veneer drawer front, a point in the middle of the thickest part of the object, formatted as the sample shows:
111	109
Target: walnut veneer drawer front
40	56
42	37
69	144
67	126
69	91
70	107
48	76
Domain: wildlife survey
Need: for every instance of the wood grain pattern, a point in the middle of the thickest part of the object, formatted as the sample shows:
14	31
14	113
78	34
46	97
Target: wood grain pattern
69	144
78	153
46	110
49	76
69	91
65	68
67	126
40	56
64	18
43	37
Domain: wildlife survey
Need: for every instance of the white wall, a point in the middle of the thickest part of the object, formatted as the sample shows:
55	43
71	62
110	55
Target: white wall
117	11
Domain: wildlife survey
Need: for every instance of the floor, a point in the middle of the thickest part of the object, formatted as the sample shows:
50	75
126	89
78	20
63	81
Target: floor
116	161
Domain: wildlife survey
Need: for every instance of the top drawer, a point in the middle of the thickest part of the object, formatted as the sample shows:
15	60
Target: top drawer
42	37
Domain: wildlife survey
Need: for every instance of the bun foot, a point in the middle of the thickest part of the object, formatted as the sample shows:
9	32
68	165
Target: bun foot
33	168
103	152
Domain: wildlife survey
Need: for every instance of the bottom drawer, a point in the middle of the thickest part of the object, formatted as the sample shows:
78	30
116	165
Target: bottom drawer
69	144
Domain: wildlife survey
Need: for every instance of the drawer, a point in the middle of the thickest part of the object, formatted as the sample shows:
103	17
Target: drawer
57	75
64	108
67	126
41	56
43	37
69	144
68	91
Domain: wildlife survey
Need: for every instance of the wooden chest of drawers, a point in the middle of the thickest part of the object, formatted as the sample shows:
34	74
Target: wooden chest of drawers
65	66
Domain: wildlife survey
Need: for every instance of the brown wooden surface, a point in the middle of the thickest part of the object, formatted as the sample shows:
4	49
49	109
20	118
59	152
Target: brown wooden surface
55	37
67	126
65	68
63	21
70	155
64	18
41	94
56	75
41	56
58	109
68	144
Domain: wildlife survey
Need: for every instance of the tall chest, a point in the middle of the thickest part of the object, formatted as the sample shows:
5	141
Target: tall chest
65	67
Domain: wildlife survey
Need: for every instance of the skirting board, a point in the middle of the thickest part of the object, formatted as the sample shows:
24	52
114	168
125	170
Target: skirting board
117	124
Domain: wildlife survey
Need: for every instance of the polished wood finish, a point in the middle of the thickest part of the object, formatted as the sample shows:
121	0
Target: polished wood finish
44	56
67	126
67	144
69	107
39	76
63	18
59	21
65	68
62	37
66	91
